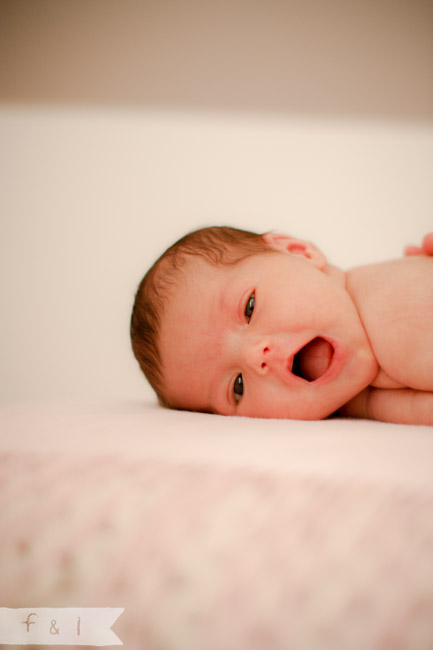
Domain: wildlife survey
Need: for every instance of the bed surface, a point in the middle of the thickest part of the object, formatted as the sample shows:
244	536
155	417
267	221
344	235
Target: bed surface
218	532
358	449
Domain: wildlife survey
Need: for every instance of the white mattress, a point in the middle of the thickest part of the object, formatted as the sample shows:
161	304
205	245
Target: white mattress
218	533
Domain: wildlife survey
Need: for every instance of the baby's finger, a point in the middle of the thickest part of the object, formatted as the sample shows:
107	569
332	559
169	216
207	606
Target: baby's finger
413	250
427	244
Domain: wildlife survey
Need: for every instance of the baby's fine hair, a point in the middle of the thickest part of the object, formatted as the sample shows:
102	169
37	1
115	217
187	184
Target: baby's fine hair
218	245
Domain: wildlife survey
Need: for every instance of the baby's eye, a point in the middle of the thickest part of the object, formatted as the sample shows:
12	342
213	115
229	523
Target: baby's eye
238	388
250	306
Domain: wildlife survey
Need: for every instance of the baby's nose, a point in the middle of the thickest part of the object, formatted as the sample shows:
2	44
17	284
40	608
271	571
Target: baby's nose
257	356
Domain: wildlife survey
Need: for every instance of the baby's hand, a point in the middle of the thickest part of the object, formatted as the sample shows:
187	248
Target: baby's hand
425	249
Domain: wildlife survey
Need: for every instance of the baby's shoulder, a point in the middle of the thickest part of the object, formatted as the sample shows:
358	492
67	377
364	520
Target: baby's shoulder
395	303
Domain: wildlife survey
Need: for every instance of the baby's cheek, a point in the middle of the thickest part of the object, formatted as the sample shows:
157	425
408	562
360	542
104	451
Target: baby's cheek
280	403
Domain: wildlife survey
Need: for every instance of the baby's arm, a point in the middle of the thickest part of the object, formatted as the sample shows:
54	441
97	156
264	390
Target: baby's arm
398	406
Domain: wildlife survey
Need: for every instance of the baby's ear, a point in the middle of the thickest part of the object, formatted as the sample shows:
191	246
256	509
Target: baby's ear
296	247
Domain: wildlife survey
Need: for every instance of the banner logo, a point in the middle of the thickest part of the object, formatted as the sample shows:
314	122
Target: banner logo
59	625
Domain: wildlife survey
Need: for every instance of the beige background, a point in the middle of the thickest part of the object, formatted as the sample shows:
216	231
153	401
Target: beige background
125	124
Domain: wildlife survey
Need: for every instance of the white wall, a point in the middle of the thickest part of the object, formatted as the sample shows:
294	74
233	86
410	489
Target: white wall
95	186
90	197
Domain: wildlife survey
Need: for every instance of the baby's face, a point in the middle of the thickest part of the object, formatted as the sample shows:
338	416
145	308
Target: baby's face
271	337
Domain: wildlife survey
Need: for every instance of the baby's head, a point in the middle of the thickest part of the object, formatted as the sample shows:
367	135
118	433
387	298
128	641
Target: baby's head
218	246
232	322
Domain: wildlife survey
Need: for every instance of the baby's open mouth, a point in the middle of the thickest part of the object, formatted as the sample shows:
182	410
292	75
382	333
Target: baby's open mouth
313	360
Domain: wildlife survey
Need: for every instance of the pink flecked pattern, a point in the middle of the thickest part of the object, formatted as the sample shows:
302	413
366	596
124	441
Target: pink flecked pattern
209	558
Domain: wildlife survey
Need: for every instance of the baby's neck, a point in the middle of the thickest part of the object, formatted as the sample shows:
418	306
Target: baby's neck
344	278
336	274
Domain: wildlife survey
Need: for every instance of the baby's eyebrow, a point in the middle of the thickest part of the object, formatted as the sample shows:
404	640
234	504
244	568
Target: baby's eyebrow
226	301
224	296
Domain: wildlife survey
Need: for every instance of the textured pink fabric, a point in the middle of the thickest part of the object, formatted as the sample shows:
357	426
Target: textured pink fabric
206	557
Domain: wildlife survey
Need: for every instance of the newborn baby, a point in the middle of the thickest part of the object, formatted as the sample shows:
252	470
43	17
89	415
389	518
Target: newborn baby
232	322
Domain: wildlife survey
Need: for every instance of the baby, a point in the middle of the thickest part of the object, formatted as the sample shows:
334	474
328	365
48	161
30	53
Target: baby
232	322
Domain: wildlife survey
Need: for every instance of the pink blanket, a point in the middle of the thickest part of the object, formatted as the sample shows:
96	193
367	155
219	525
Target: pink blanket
220	533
